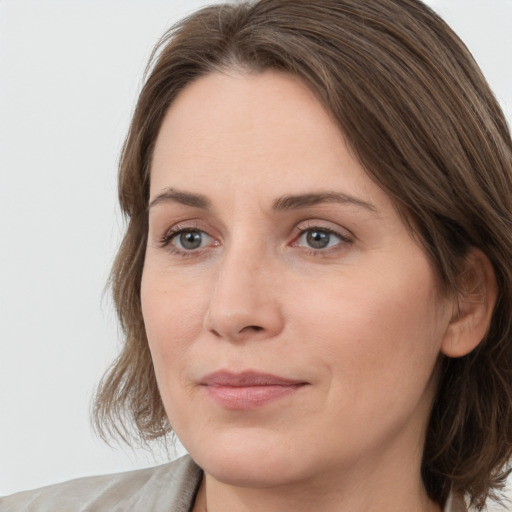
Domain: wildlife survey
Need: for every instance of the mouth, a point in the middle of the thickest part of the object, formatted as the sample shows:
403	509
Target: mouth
249	389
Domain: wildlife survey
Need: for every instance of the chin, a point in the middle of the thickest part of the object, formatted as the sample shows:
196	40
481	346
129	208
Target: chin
249	460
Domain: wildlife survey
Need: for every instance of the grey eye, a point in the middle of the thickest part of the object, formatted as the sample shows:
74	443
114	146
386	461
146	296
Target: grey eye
318	239
190	240
321	238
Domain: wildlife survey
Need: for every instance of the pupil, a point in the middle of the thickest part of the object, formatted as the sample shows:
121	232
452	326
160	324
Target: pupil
191	240
318	239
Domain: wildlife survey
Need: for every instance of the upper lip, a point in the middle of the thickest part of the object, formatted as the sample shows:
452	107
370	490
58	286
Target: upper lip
246	379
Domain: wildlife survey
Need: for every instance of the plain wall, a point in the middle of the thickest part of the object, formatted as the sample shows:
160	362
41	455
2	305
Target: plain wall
70	71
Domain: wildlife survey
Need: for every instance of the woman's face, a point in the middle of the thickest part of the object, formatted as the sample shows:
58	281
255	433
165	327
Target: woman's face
293	322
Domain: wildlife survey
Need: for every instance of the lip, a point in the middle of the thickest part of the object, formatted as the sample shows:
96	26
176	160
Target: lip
249	389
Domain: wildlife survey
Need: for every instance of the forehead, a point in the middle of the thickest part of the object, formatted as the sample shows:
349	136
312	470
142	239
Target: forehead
260	132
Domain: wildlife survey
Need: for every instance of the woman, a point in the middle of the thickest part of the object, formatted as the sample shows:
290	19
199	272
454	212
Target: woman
314	283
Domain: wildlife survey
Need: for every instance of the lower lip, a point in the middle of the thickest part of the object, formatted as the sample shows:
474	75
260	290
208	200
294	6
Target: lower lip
249	397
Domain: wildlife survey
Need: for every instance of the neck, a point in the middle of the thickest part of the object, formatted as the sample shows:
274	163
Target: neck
374	492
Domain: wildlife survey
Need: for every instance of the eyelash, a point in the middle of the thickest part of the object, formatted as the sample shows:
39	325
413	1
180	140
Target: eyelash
344	239
170	235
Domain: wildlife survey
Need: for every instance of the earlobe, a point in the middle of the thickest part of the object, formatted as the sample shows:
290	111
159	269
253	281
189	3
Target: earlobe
477	292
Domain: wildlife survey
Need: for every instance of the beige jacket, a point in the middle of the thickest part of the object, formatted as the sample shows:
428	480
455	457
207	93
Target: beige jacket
168	488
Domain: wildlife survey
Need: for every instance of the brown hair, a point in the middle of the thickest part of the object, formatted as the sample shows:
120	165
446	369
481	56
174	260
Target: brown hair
419	115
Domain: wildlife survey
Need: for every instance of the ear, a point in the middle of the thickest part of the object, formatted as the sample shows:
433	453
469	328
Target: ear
477	292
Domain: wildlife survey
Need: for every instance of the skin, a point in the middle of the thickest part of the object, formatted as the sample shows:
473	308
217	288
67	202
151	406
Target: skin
362	321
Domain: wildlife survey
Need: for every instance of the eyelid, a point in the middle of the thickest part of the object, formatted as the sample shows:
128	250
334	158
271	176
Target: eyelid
344	235
326	226
165	239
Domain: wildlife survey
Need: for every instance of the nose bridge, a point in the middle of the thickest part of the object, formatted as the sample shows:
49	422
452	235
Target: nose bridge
244	302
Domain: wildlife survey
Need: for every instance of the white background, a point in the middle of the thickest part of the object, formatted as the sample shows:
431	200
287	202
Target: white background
70	71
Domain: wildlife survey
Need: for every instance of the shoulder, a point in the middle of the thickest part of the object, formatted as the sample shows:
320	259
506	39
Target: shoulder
170	486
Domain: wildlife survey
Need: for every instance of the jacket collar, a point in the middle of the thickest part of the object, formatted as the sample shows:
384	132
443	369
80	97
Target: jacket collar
455	504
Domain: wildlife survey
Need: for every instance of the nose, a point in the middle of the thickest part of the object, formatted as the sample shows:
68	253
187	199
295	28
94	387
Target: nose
245	303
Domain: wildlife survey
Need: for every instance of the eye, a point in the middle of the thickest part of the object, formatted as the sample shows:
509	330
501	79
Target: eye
189	240
320	238
186	240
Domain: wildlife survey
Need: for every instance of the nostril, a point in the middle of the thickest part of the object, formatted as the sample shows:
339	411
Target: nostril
254	327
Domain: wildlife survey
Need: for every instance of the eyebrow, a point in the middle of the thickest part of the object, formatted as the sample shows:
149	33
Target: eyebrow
186	198
283	203
294	202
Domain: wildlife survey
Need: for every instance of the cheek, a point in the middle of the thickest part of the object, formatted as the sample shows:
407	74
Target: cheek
376	333
172	317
